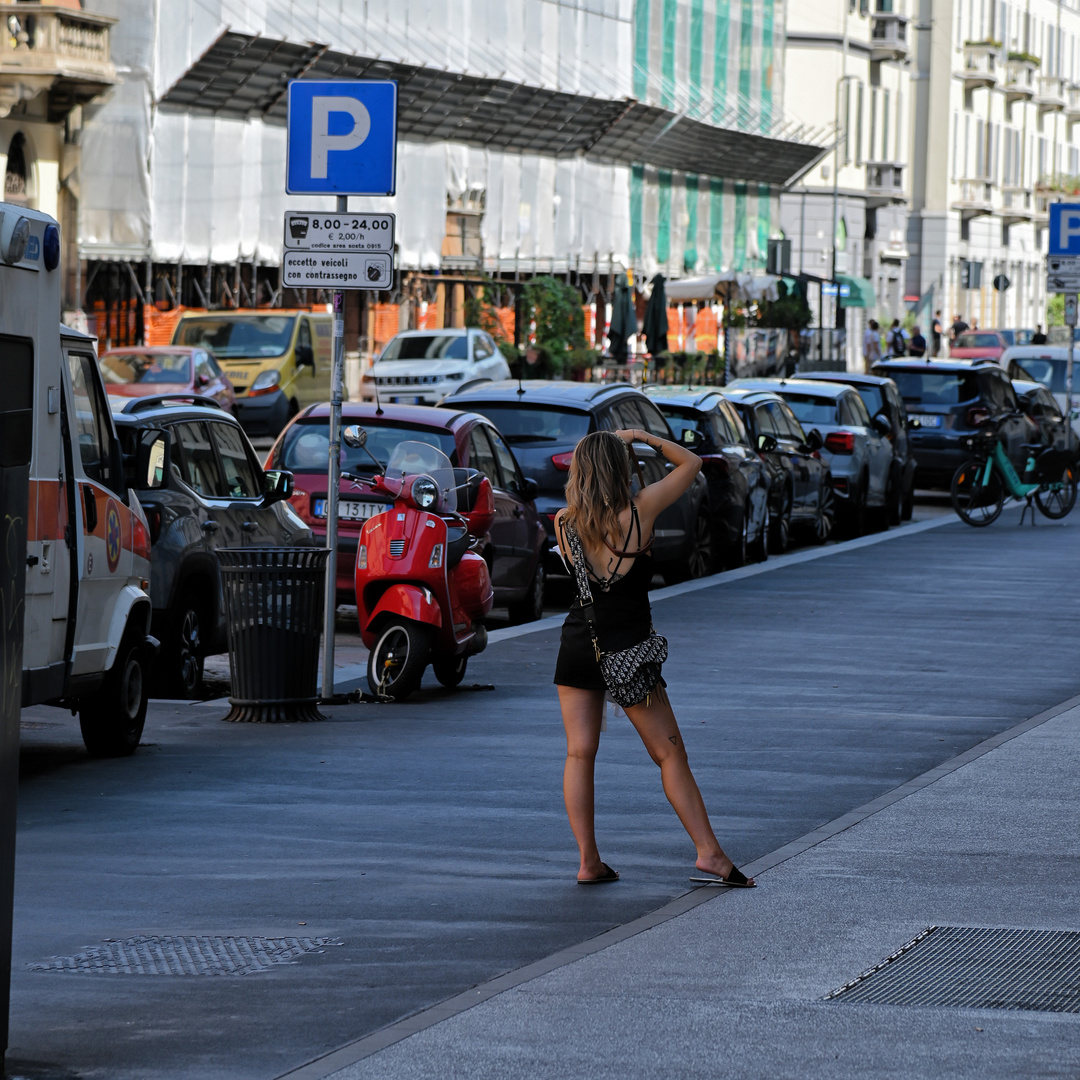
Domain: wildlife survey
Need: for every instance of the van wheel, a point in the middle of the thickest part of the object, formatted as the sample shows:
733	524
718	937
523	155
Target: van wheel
112	719
396	663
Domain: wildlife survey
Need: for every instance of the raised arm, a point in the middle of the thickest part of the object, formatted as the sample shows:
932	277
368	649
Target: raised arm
657	497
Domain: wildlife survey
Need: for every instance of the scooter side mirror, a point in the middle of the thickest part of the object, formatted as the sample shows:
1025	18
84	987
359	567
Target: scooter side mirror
480	518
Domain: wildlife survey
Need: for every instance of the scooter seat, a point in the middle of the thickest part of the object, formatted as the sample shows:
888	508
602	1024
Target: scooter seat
457	543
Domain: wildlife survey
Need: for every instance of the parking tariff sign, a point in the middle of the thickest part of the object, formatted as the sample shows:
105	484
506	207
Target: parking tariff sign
342	138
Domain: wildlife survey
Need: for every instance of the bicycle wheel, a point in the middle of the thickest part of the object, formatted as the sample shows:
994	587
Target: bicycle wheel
1059	501
977	503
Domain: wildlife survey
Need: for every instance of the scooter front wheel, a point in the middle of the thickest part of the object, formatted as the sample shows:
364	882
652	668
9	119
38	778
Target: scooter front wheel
396	663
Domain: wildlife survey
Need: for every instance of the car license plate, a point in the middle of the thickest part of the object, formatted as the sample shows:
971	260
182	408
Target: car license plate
349	510
923	420
241	375
411	399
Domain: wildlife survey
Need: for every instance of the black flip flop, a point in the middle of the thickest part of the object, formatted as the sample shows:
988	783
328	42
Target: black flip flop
735	880
603	879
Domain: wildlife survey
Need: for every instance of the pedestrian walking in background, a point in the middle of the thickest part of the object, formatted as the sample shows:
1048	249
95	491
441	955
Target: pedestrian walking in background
936	331
917	344
604	535
957	328
897	339
871	344
1039	338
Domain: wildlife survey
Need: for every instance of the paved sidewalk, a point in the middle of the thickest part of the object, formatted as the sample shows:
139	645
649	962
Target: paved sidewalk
735	987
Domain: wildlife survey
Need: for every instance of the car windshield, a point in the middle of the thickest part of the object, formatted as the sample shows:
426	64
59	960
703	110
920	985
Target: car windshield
935	387
872	398
306	447
123	369
1045	370
812	410
427	347
977	341
236	336
522	424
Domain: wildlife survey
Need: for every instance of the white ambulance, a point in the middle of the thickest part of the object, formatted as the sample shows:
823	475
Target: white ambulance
86	643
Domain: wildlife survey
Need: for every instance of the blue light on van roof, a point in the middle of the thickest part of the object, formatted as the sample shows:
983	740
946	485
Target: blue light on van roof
50	246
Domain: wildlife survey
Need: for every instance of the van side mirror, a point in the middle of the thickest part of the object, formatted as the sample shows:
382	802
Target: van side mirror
814	441
150	457
305	357
278	485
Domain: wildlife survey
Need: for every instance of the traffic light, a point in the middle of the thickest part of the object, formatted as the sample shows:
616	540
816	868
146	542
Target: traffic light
970	274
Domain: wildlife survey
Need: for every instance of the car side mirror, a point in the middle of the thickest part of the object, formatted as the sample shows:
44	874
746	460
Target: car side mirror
691	439
480	518
882	424
278	485
150	457
354	435
814	441
530	488
202	380
766	444
305	357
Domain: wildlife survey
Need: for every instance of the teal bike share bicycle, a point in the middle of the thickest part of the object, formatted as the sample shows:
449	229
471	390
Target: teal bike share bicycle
979	486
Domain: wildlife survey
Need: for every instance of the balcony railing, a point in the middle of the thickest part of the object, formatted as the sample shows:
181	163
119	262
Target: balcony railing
43	47
1072	103
1050	96
885	179
1016	203
976	198
888	37
982	64
1021	80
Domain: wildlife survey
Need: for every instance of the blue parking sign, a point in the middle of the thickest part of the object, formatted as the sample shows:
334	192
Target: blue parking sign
342	138
1064	228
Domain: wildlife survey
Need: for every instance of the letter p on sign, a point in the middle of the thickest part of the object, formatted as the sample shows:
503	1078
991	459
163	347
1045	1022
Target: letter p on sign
1069	229
341	137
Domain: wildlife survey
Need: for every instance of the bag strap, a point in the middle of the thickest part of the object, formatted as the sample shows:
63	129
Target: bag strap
577	553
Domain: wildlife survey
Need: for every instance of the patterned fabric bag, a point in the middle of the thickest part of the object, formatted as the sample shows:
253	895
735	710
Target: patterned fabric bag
630	674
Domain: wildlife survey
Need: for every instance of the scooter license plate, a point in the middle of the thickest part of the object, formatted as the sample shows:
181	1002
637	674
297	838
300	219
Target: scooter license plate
349	510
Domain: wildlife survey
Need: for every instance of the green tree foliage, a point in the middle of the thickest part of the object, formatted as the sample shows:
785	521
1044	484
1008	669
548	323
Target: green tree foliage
556	311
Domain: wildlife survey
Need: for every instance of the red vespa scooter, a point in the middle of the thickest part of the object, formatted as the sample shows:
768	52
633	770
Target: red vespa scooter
421	590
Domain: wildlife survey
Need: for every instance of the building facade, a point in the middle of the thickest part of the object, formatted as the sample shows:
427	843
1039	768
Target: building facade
849	61
997	103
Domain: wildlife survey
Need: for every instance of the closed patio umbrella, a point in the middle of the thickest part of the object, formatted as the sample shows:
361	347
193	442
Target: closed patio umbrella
655	326
623	319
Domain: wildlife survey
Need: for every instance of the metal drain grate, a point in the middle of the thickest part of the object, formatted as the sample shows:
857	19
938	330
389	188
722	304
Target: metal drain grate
186	955
974	968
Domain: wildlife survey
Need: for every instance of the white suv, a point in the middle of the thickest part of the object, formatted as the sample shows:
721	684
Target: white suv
420	367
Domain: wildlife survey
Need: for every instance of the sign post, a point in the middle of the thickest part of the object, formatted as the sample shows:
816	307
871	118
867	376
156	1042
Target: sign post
341	140
1063	276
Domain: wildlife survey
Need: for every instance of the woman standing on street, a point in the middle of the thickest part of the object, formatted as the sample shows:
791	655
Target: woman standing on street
611	533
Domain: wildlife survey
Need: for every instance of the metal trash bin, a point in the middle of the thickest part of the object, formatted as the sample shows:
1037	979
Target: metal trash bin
274	609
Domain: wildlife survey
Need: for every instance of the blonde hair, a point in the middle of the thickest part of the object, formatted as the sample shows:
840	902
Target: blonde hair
598	488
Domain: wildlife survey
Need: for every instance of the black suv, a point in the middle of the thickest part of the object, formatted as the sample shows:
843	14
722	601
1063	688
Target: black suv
881	395
215	495
543	422
947	402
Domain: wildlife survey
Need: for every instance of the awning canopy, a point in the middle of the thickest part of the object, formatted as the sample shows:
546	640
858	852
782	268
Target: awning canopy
244	76
728	285
860	292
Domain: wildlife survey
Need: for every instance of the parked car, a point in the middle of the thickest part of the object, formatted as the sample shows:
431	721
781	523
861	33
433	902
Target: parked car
277	360
514	546
947	402
1017	337
800	485
737	478
1040	406
1047	364
880	395
420	367
152	370
216	495
543	422
855	447
979	345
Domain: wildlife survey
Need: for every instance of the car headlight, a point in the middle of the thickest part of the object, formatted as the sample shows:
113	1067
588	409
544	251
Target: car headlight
265	382
424	492
455	376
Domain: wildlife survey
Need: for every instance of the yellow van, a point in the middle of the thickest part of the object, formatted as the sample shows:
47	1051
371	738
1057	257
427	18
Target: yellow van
277	360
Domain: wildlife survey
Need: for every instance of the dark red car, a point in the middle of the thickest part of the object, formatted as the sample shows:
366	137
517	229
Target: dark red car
515	543
166	369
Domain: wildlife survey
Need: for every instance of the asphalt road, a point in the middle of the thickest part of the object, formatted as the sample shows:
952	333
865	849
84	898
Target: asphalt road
430	837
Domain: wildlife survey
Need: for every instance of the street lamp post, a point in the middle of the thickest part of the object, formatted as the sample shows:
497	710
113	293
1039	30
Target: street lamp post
836	180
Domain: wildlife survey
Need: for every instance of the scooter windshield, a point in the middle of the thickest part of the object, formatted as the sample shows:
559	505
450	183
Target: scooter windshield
411	458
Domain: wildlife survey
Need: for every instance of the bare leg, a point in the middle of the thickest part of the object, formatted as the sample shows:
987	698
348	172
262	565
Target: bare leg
582	711
659	731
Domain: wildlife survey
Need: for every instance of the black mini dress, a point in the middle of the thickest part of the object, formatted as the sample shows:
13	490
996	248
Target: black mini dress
622	614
